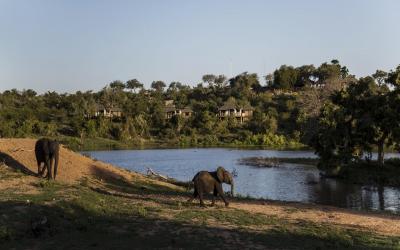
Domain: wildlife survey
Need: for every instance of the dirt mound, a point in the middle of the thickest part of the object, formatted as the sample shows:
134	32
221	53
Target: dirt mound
20	154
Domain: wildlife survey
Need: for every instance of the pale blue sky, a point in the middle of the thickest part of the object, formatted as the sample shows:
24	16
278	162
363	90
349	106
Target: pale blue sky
81	45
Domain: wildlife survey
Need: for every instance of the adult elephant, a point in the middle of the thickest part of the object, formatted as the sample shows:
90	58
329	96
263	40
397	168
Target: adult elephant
47	152
206	182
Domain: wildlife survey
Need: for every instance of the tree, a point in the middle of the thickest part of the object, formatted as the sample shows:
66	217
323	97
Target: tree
244	84
269	80
175	86
209	79
220	81
328	71
117	85
263	123
344	71
158	86
285	77
394	78
374	117
305	76
357	119
335	61
133	84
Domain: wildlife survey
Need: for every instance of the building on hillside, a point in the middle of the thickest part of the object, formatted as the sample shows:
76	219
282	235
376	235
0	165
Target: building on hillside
186	112
171	110
113	112
169	103
229	109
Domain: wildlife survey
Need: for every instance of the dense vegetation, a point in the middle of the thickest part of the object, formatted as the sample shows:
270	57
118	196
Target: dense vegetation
357	119
325	107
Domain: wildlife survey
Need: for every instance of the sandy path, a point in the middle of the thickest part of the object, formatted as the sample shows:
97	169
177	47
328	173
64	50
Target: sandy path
379	223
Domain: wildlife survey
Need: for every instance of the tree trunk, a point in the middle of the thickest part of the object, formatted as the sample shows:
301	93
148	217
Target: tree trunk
381	153
381	197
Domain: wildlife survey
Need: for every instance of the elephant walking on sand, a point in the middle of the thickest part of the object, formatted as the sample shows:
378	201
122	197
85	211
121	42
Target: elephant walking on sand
46	152
206	182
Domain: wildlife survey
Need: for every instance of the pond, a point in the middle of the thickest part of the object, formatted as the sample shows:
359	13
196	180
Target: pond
289	182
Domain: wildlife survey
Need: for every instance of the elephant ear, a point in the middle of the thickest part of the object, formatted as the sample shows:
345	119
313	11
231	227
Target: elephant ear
220	174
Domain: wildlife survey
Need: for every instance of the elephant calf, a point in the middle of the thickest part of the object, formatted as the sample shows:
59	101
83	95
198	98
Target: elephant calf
206	182
47	151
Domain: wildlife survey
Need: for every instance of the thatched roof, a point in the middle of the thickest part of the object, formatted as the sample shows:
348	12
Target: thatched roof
169	108
187	109
116	109
227	106
100	107
233	105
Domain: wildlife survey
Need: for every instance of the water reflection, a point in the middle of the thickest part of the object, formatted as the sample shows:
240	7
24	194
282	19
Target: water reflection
290	182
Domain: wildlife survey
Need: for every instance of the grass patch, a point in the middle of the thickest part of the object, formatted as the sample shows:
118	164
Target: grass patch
231	216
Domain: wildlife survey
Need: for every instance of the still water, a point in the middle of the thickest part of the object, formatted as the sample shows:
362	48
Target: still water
289	182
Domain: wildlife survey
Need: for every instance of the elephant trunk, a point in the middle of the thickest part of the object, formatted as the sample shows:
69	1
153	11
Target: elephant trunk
232	189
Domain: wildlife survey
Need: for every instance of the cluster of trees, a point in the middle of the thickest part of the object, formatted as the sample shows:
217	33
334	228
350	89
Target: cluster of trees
323	106
289	77
360	118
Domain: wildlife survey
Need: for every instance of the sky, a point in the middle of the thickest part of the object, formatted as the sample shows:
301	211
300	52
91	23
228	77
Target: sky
72	45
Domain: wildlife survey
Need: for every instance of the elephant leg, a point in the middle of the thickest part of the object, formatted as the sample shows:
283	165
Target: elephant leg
51	167
56	158
55	169
48	166
195	194
40	169
215	194
201	199
221	194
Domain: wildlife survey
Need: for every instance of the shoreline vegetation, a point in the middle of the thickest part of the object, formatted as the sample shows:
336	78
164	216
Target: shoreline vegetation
94	144
93	204
362	172
269	162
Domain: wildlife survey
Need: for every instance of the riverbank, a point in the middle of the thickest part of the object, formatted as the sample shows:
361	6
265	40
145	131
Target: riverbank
372	173
98	143
94	204
363	172
267	162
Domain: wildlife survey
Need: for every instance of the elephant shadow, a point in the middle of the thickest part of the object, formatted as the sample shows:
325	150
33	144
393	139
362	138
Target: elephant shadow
117	185
16	165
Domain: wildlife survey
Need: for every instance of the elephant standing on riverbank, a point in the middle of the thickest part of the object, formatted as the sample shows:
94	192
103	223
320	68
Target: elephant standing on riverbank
46	152
206	182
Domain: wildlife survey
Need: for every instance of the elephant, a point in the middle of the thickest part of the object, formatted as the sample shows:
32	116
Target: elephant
206	182
47	151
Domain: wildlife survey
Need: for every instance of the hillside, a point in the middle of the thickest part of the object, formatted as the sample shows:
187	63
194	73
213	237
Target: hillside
94	204
19	154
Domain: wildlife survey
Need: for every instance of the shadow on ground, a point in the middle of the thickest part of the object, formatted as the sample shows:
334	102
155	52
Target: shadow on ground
16	165
70	226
